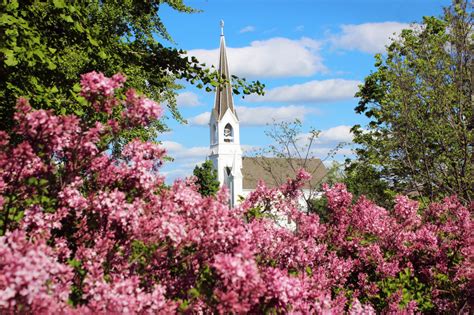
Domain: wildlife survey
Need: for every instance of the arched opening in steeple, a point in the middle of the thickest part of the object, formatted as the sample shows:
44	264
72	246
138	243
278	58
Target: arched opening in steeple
228	133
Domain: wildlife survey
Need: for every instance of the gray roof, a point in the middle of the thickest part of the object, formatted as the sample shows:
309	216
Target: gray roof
275	171
224	98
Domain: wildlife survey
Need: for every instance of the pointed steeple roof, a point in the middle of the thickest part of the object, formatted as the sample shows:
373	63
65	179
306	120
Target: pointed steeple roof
224	98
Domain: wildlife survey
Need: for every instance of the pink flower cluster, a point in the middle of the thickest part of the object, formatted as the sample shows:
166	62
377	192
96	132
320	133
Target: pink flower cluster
90	233
32	279
140	110
95	84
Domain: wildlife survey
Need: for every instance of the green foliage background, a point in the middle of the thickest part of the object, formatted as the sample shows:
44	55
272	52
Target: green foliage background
420	138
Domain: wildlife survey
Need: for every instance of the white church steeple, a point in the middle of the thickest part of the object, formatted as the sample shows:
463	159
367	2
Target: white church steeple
226	153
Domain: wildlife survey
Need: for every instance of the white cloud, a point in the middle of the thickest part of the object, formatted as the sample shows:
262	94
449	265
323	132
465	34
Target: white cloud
275	57
312	91
332	136
329	152
201	119
260	116
247	29
179	169
185	159
178	151
188	99
367	37
173	174
299	28
340	133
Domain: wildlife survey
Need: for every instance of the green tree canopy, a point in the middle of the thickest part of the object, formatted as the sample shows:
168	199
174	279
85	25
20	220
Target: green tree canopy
46	45
419	99
206	178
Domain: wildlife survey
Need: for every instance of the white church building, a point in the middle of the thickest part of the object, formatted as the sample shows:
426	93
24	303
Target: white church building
241	174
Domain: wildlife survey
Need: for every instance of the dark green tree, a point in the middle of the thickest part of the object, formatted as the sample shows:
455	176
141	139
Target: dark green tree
364	179
318	204
206	178
46	45
419	100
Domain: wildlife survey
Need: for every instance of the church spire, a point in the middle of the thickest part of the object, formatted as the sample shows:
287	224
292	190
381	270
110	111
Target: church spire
224	98
226	153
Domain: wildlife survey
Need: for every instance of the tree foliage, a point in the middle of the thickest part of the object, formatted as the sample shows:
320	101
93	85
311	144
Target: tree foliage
419	99
206	178
365	179
46	45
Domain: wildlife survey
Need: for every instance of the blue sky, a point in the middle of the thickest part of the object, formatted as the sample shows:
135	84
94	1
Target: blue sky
310	54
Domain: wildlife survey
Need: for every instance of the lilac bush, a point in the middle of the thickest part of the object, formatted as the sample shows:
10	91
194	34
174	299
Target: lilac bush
88	232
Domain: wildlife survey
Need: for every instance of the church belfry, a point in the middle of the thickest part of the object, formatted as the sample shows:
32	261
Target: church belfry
226	153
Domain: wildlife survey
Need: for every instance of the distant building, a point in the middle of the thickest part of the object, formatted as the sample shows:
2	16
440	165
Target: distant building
241	174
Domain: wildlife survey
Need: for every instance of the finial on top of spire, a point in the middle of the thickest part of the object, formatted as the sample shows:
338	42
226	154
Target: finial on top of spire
222	27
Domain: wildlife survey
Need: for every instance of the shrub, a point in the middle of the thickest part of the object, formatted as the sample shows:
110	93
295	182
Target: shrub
89	232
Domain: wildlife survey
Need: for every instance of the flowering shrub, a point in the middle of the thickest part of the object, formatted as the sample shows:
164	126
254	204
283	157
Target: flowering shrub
88	232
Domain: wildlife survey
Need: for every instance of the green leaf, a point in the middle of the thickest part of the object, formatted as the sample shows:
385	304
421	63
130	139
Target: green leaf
78	27
11	32
12	5
92	41
39	53
76	87
60	4
102	54
67	18
74	263
10	58
51	65
32	181
7	19
194	293
44	199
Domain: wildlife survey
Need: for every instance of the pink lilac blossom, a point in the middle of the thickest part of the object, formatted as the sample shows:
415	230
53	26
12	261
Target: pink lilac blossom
358	309
97	84
241	286
31	278
406	211
140	110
